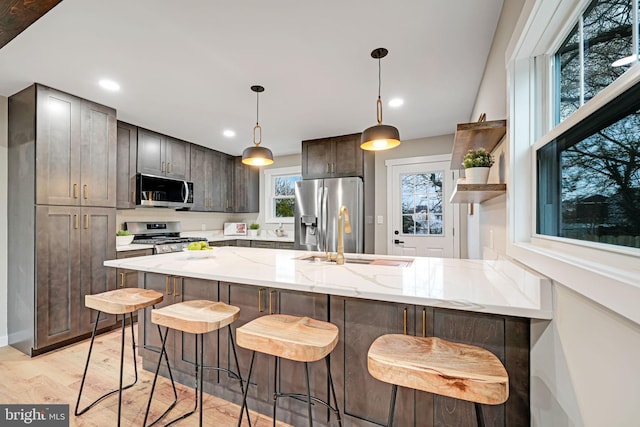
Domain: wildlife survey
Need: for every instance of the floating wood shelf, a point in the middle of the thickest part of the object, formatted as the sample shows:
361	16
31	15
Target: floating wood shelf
476	193
473	136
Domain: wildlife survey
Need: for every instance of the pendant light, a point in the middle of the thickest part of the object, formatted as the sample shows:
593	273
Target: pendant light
257	155
379	136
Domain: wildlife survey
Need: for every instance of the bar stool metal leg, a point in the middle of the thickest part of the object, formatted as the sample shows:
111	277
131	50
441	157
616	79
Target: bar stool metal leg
78	411
309	412
235	356
246	390
392	405
155	379
275	389
479	415
336	411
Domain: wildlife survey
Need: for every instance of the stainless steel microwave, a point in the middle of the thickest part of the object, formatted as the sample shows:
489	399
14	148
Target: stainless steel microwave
159	191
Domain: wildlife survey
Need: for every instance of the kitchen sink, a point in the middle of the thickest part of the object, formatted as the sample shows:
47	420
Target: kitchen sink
366	261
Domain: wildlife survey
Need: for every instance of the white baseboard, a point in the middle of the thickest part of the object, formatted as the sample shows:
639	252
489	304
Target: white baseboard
4	340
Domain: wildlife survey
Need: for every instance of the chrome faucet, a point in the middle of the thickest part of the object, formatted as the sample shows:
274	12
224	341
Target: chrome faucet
347	229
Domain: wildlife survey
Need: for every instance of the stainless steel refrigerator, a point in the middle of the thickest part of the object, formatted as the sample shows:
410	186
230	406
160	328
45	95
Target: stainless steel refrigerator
316	214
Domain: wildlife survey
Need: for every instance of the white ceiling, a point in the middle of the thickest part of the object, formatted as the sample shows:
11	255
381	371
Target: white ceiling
185	67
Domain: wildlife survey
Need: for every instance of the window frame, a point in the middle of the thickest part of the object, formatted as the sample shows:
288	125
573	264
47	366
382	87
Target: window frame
603	273
270	176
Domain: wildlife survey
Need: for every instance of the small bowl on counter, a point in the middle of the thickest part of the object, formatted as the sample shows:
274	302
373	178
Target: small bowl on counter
124	240
199	254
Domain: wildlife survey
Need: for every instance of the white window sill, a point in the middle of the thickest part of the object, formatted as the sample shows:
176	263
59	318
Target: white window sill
616	286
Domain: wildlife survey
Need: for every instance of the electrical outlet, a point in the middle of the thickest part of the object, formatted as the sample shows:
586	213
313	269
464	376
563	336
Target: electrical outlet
380	219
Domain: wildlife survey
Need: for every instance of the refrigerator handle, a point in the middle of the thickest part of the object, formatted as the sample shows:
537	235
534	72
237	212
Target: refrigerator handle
320	230
325	222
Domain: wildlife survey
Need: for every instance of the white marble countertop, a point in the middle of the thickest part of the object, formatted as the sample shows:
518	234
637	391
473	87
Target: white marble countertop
497	287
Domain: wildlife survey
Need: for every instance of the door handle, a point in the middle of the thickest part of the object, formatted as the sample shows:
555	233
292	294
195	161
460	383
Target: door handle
166	285
271	301
162	168
122	280
86	222
397	242
75	191
85	191
169	169
404	327
75	220
175	293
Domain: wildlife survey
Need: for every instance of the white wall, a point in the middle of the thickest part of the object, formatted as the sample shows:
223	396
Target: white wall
4	179
584	363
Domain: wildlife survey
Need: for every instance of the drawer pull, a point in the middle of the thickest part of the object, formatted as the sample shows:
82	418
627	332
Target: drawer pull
404	329
175	293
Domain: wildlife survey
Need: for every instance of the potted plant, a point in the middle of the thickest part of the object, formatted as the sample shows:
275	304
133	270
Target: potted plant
253	229
477	164
123	238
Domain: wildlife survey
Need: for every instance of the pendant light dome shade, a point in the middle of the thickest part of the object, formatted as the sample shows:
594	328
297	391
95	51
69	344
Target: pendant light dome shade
379	136
257	155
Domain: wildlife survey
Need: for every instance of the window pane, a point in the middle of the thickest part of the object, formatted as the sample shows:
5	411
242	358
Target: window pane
284	208
568	58
607	38
589	178
421	198
284	186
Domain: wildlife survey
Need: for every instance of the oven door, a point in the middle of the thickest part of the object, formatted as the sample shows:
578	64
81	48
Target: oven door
157	191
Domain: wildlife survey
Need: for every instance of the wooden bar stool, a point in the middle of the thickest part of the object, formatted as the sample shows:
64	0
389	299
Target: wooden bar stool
441	367
300	339
196	317
120	301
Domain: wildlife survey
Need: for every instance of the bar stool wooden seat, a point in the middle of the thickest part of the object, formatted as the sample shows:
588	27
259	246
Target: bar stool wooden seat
119	301
197	317
300	339
441	367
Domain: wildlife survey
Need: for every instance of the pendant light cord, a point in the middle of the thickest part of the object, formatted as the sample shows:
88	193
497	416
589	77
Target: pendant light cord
257	106
379	77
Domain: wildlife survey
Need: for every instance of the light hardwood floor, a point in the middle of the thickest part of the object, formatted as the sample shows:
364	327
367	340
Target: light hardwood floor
55	378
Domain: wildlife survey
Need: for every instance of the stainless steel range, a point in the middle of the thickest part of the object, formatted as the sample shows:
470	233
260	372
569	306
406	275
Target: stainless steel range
164	236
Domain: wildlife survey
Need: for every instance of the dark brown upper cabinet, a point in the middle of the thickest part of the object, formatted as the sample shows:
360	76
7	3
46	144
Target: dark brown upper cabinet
246	187
126	166
210	179
75	150
163	155
334	157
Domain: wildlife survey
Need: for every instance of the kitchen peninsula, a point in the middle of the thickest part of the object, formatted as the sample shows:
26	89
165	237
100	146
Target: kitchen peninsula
486	303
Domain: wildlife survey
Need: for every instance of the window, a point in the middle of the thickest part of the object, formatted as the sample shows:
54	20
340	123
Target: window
589	177
280	194
585	60
422	203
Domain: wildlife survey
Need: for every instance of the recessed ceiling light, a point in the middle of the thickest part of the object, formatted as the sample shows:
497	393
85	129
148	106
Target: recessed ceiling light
109	85
229	133
396	102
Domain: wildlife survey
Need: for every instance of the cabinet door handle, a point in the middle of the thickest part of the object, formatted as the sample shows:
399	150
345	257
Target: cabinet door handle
86	222
404	328
75	191
166	285
333	168
75	220
271	301
328	168
424	322
133	197
260	301
122	280
85	191
169	169
162	168
175	292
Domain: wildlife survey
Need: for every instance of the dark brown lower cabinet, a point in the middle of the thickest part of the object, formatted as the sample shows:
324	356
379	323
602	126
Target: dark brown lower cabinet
363	400
71	245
